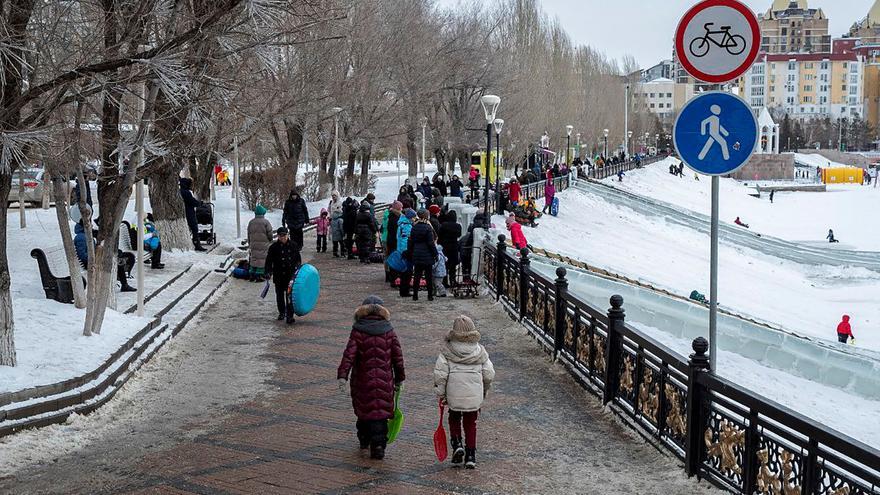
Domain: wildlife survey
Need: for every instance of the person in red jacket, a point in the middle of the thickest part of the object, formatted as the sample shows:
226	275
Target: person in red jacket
374	358
516	233
513	191
844	330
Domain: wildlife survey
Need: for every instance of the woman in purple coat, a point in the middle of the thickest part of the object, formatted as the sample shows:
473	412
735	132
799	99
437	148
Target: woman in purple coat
375	360
549	194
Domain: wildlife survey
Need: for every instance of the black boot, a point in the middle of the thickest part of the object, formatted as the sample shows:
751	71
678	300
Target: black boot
470	458
457	451
377	452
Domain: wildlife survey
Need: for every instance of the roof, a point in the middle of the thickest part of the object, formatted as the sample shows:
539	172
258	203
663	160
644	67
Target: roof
812	57
874	14
784	4
764	119
660	80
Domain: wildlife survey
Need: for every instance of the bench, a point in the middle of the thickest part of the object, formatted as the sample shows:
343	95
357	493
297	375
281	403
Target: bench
128	239
57	288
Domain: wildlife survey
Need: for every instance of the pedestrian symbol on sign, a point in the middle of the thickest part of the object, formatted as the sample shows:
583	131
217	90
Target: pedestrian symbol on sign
717	133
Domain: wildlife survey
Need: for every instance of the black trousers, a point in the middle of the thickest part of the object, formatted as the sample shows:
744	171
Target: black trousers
426	271
296	235
156	258
451	269
285	306
842	338
374	433
322	243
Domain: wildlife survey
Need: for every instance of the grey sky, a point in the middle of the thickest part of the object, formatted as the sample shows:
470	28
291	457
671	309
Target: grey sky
645	28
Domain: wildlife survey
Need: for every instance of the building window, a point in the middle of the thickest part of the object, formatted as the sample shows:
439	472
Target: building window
758	91
792	65
853	90
652	95
808	99
784	31
652	105
669	95
843	87
853	79
824	66
854	68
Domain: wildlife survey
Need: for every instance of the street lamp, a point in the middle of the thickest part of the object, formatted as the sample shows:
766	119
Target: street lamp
499	123
629	135
568	130
490	107
605	133
336	111
424	126
578	150
657	142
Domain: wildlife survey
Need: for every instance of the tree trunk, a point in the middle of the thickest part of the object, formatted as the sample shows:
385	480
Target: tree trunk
412	154
366	152
352	159
73	266
167	206
464	162
22	217
295	131
7	324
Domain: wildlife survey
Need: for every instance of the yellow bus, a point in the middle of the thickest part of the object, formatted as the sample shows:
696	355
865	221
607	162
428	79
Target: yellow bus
478	159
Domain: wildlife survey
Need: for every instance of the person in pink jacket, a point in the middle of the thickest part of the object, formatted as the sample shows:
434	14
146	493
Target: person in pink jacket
516	233
323	228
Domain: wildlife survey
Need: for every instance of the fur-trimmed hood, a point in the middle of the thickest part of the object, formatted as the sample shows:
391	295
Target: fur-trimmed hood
372	319
465	353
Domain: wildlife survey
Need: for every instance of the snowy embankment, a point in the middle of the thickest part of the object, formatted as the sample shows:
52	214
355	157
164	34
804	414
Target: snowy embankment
803	217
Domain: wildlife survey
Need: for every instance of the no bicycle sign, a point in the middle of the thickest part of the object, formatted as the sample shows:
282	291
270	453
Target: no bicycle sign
718	40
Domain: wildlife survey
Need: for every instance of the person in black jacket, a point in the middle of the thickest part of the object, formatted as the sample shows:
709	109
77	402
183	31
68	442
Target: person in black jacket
455	186
282	262
448	237
296	217
190	203
349	222
365	230
422	252
439	183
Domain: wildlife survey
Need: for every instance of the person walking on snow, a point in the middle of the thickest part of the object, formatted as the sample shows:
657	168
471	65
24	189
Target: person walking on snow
404	229
421	250
549	194
337	233
771	195
463	374
514	191
620	175
365	232
516	233
716	132
373	364
322	228
282	263
259	233
844	330
295	217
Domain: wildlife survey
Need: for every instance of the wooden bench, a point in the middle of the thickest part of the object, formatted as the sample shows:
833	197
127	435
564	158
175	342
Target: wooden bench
56	288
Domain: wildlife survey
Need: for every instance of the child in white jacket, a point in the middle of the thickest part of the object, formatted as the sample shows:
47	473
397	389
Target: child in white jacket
462	376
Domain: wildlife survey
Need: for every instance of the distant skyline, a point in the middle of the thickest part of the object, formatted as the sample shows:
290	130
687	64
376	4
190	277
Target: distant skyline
645	28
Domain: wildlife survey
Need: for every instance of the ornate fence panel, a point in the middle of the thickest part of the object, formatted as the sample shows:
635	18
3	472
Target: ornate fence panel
729	435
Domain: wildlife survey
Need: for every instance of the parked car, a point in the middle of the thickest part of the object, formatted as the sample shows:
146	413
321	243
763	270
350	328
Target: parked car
34	182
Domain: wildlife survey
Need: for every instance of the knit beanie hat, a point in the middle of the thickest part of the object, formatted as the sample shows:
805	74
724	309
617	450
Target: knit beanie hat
423	214
373	300
409	213
434	209
260	210
463	330
397	206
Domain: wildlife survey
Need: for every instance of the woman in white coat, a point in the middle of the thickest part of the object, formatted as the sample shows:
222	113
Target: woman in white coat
462	376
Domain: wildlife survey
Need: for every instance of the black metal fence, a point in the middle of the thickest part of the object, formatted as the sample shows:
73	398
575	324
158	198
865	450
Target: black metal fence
599	173
531	190
724	433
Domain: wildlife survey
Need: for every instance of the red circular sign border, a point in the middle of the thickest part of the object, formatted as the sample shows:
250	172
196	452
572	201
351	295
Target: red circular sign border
753	54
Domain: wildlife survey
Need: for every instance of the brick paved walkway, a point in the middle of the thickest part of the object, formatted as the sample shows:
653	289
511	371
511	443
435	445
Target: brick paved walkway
539	432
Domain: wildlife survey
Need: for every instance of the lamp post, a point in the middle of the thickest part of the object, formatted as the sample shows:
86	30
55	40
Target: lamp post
626	132
499	123
605	133
424	126
336	111
647	144
629	135
568	130
657	142
490	107
577	153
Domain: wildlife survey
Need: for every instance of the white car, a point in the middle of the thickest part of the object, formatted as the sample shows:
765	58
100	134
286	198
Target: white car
33	181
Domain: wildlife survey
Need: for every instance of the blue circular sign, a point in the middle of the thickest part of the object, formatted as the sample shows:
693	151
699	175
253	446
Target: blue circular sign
716	133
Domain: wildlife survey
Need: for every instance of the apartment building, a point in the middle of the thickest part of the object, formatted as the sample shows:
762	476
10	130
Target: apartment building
809	85
663	97
790	26
866	39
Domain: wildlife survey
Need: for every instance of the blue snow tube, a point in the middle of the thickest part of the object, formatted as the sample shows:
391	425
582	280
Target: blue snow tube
397	263
304	289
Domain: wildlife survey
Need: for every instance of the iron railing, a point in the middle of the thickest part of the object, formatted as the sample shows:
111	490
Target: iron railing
599	173
723	432
531	190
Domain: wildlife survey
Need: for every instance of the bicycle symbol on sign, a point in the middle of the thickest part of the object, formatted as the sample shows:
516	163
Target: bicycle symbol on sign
734	44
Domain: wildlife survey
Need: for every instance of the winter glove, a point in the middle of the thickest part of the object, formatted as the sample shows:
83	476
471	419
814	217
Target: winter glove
342	383
443	400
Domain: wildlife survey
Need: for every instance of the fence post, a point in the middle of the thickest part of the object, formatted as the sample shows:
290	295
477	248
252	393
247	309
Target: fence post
561	292
500	251
523	281
616	316
697	406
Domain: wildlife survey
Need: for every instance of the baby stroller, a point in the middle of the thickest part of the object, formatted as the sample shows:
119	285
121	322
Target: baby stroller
466	285
205	219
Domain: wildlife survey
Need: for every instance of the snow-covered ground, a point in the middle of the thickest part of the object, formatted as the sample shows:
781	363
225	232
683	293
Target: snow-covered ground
804	217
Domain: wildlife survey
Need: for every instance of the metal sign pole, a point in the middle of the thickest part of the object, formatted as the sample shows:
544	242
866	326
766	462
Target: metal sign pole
139	207
713	278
